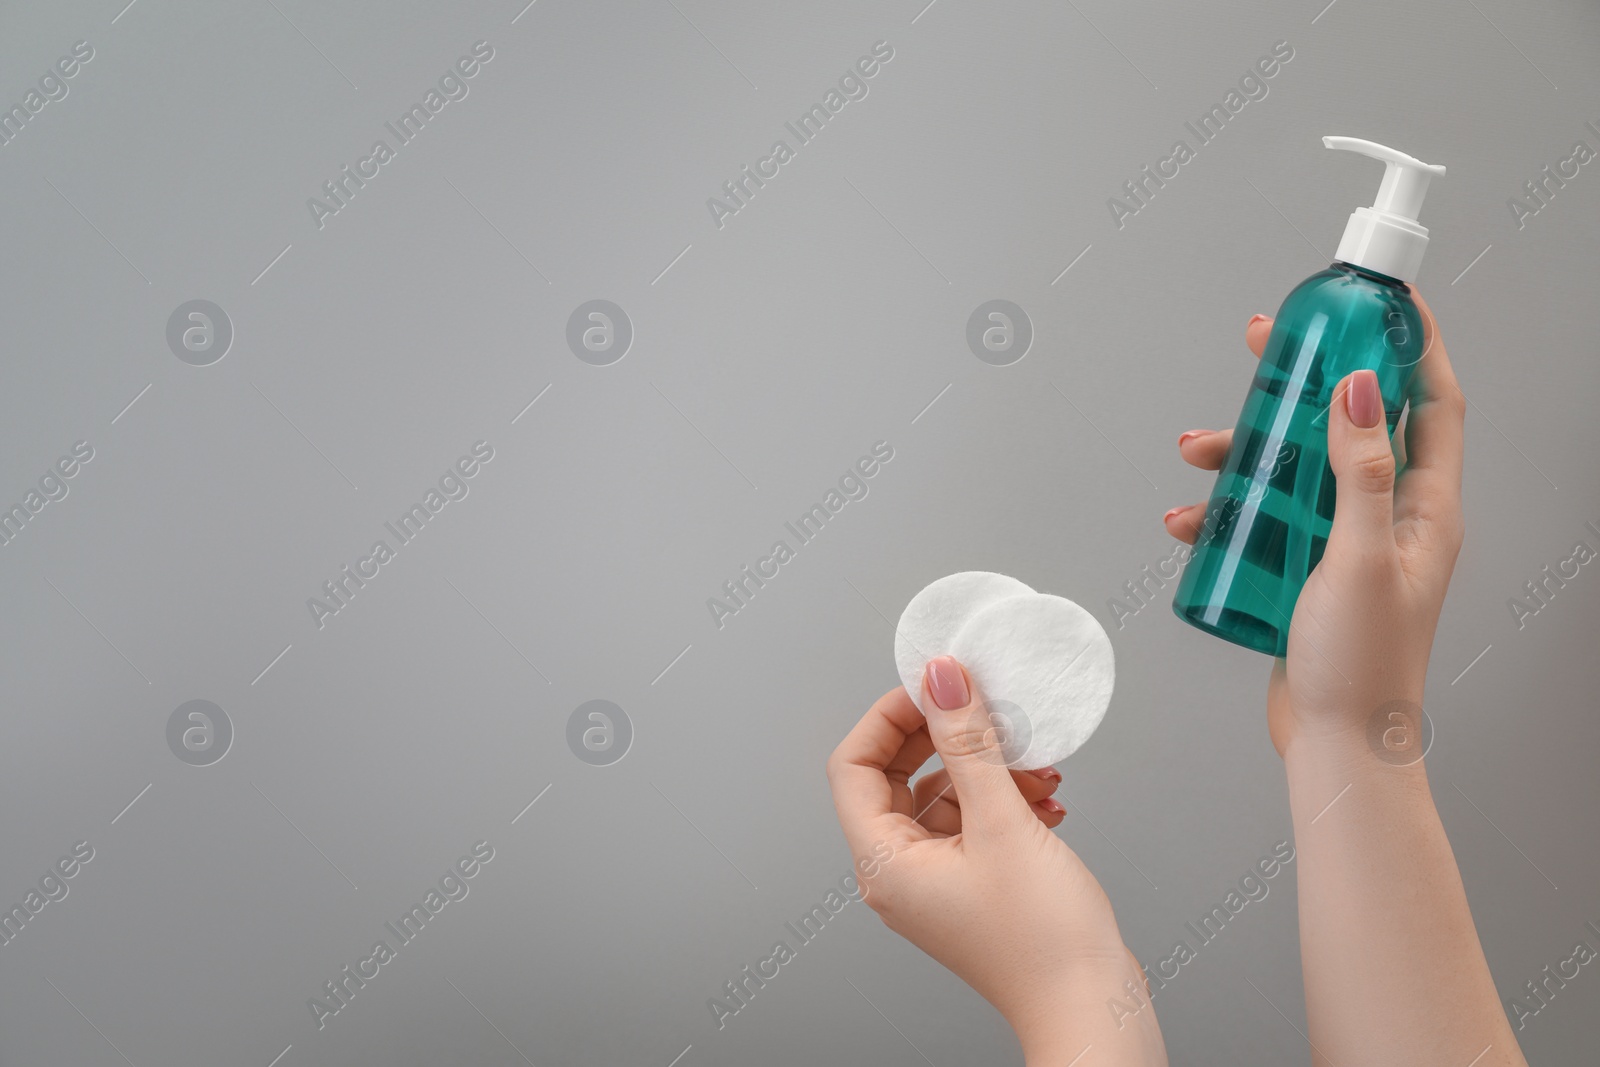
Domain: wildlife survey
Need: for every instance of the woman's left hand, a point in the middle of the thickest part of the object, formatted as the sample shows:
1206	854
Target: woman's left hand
975	878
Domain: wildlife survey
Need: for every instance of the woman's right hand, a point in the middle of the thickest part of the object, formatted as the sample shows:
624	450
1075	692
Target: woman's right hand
1364	624
1393	968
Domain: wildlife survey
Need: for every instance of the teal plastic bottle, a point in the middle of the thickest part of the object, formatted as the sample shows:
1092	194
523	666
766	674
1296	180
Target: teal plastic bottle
1270	513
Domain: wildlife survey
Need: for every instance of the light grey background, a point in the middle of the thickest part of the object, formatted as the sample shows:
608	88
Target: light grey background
767	358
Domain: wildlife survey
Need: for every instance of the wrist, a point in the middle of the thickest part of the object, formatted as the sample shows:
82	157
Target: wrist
1387	735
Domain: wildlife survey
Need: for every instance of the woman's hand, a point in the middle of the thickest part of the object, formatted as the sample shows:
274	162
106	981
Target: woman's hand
1364	623
1383	915
966	868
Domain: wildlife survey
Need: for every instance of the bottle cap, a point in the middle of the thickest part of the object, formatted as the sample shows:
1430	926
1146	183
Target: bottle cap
1386	237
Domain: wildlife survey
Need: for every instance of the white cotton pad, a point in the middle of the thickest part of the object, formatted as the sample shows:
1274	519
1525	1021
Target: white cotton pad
1043	665
928	627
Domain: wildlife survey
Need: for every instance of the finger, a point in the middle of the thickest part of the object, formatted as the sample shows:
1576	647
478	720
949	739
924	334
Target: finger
1363	463
1206	449
1037	785
1186	521
858	774
943	818
932	789
912	755
1050	812
1431	484
969	746
1256	332
936	806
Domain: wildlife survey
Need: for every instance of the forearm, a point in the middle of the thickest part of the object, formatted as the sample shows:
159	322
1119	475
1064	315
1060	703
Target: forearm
1393	969
1105	1009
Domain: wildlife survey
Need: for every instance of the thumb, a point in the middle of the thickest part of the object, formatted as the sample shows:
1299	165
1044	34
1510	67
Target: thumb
1363	462
969	746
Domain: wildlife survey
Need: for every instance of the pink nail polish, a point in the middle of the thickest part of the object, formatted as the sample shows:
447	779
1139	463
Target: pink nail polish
1049	774
947	683
1255	319
1053	806
1363	400
1168	516
1192	434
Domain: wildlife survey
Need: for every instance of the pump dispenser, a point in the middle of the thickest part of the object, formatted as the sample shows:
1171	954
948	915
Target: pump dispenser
1386	237
1271	510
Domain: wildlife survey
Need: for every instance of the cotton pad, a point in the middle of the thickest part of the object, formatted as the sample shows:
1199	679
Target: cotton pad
928	626
1044	667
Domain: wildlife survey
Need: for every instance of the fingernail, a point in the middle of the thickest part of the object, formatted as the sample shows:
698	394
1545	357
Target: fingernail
1049	774
1363	402
1255	319
947	683
1192	434
1053	806
1168	516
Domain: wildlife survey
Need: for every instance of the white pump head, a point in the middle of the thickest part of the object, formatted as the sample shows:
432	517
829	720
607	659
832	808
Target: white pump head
1386	237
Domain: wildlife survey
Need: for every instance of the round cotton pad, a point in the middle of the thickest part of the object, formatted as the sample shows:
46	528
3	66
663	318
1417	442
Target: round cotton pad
930	622
1044	667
